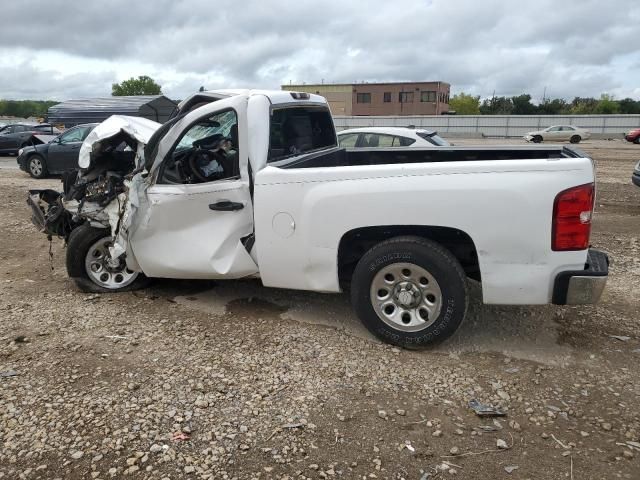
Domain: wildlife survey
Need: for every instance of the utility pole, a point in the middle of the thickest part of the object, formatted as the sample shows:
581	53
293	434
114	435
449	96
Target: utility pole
544	95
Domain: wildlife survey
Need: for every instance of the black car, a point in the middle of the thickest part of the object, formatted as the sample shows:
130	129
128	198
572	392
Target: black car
18	135
57	156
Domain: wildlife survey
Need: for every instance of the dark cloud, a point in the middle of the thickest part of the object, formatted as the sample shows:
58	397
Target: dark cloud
573	48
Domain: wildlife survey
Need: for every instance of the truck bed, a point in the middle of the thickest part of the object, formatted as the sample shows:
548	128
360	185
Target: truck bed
341	157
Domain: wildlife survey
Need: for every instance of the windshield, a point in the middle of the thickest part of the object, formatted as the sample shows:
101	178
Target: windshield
222	125
433	138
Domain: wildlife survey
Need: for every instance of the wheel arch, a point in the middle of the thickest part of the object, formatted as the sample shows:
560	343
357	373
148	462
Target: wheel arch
355	243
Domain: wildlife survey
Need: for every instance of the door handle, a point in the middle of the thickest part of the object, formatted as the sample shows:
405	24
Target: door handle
75	147
226	206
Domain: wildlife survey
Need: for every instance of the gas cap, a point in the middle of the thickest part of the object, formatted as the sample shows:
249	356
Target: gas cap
283	224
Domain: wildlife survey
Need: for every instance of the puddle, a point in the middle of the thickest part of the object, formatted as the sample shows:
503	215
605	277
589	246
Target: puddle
528	333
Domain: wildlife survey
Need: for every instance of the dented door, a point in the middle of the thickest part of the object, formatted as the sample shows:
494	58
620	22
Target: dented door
198	230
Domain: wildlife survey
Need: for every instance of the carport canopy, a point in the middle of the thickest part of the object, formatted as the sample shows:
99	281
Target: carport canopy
95	110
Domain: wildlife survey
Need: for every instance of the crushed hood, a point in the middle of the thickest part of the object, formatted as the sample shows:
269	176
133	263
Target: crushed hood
137	128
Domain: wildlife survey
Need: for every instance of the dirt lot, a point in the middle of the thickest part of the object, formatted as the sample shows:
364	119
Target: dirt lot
229	380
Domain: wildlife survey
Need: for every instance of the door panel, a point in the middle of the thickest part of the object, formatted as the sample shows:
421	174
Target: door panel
182	237
63	154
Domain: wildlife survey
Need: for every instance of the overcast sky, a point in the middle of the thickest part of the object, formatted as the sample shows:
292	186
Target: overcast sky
62	49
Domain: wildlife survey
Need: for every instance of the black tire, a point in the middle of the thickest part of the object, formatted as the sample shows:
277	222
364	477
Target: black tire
637	141
36	166
432	258
575	139
537	139
80	241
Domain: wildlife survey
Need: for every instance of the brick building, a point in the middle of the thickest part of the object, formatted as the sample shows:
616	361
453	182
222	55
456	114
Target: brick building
401	98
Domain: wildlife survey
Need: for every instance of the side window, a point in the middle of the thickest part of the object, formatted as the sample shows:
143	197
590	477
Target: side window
87	131
402	141
555	129
206	152
370	140
385	141
348	140
18	129
73	135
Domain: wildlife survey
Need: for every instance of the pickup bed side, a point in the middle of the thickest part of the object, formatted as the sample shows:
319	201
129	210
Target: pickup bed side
504	206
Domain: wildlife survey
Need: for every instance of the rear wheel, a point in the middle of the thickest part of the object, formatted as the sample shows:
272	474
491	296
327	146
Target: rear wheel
90	266
36	166
575	139
409	291
536	139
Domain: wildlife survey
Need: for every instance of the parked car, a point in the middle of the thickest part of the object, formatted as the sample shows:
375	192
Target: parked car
633	136
559	133
384	137
57	156
635	177
18	135
253	183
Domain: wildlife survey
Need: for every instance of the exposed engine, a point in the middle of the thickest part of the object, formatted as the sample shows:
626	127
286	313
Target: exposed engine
86	193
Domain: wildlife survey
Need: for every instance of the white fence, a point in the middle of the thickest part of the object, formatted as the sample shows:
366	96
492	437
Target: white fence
497	125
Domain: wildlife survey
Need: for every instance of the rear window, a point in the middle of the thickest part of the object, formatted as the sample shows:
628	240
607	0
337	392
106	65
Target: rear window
433	138
298	130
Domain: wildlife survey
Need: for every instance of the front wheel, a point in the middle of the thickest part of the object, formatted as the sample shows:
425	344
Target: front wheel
575	139
89	263
536	139
410	292
36	166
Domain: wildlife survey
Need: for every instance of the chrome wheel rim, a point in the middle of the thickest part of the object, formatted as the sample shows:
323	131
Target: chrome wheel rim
35	166
406	297
100	270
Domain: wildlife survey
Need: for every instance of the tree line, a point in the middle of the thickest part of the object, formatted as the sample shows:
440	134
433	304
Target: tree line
25	108
464	104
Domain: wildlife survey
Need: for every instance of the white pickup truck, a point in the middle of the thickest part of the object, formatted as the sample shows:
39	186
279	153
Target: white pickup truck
252	183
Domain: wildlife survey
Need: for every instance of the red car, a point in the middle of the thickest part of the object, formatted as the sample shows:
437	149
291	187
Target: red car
633	136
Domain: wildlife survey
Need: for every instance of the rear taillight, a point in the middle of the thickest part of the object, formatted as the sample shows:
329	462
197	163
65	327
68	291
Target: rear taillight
572	211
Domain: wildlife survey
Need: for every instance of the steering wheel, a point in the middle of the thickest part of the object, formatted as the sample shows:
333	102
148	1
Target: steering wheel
196	170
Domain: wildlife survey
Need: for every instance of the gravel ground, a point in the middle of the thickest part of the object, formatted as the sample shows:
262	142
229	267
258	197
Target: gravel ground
230	380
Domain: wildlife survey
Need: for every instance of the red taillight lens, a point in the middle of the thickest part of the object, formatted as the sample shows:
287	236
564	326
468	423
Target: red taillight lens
572	212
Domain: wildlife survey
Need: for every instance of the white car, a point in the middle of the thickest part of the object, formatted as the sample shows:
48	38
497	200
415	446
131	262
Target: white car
559	133
387	137
253	183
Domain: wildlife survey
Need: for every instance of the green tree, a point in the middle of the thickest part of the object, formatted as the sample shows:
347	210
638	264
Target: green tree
583	106
522	105
142	85
607	105
557	106
464	104
629	106
496	106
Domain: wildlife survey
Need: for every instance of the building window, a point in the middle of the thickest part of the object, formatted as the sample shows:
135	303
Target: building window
405	97
428	96
387	97
363	98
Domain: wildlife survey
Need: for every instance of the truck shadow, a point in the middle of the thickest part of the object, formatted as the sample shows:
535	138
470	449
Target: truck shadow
529	333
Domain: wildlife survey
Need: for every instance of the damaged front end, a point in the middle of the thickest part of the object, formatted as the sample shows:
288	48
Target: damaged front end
98	193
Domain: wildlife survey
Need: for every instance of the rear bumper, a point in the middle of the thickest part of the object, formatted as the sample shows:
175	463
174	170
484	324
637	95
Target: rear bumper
581	287
631	138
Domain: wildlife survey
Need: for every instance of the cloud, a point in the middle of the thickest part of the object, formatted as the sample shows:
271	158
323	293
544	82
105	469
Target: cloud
572	48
